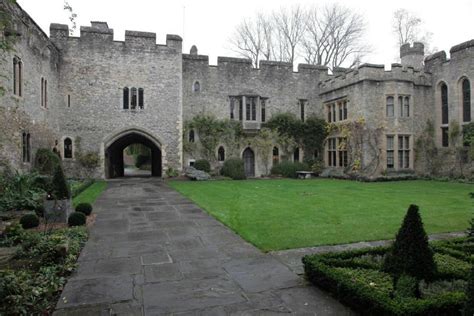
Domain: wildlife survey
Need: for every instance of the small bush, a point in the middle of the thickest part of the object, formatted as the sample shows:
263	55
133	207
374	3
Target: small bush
76	219
469	307
60	187
29	221
317	167
410	253
288	169
140	160
234	169
85	208
203	165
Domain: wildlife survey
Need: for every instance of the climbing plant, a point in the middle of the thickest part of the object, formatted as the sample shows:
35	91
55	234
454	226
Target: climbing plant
8	35
425	149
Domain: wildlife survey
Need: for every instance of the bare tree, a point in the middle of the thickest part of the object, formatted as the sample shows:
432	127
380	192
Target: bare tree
290	28
408	28
248	39
334	36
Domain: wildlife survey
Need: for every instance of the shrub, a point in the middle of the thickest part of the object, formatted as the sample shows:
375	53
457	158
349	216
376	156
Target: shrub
29	221
202	164
171	172
406	286
46	161
233	168
140	160
85	208
469	307
80	186
76	219
317	167
288	169
60	188
410	253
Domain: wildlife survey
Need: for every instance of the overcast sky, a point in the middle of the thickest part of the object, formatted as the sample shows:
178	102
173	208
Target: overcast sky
209	23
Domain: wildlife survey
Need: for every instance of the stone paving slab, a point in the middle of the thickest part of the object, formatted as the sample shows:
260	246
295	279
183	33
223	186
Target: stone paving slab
154	252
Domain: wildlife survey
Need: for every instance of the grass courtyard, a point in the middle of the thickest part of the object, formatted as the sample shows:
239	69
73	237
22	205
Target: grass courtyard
285	214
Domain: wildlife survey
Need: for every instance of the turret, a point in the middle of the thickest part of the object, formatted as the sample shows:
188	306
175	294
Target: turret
412	56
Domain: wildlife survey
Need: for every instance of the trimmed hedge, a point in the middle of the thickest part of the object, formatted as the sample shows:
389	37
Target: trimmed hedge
233	168
29	221
288	169
203	165
76	219
78	189
355	278
85	208
46	161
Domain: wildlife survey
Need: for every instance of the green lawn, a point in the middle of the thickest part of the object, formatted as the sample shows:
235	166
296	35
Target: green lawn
284	214
90	194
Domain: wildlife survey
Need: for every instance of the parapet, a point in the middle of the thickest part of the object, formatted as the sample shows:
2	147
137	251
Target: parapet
469	45
174	41
268	65
58	32
97	31
140	39
376	72
242	63
417	49
456	52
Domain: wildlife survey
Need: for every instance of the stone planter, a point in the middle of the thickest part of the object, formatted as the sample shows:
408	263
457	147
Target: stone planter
57	211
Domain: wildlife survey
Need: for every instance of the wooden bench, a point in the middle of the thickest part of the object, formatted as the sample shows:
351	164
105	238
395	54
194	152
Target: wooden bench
304	174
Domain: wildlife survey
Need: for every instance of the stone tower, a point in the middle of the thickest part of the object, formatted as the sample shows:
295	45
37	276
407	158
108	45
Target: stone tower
412	56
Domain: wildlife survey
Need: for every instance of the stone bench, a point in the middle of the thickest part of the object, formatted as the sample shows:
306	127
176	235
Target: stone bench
304	174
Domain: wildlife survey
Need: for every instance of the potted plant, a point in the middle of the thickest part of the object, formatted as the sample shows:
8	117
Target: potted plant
58	200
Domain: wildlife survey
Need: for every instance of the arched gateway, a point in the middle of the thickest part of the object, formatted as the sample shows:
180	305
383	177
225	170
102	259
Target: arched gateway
114	147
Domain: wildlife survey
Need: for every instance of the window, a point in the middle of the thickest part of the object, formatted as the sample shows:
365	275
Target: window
302	104
390	156
403	152
263	109
296	154
26	146
17	76
466	101
125	98
192	162
241	110
328	108
67	148
337	111
191	136
390	107
140	98
342	107
444	104
133	103
444	136
332	152
251	108
196	86
342	150
68	100
232	107
44	93
406	106
275	155
333	108
221	154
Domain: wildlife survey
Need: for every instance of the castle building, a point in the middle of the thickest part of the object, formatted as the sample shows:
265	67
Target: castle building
94	94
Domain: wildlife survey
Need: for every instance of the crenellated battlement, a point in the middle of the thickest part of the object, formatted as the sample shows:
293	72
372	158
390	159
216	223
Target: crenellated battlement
375	72
99	32
457	52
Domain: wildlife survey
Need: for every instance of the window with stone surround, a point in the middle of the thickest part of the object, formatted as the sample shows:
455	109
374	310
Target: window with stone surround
67	148
466	100
275	155
444	104
221	154
17	76
251	108
342	151
196	86
191	136
342	107
445	136
302	103
26	147
403	152
296	154
332	152
263	109
133	98
44	93
390	107
337	111
390	152
404	106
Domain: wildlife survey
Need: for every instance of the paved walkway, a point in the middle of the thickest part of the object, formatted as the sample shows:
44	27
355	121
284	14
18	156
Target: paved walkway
154	252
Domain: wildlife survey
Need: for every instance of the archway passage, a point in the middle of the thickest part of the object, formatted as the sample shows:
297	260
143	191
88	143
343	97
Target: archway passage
114	155
249	162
